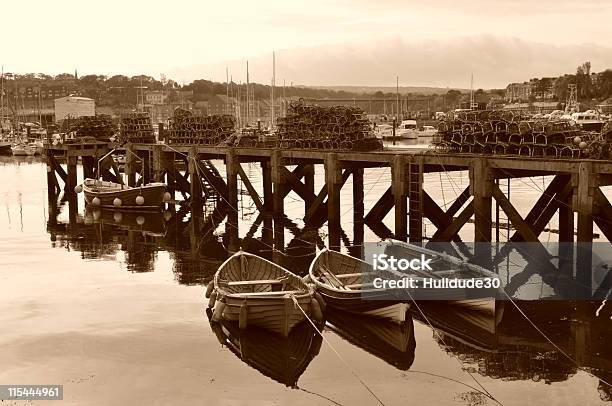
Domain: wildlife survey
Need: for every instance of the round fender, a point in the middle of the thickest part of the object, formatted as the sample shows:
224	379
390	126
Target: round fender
315	310
212	299
209	289
321	301
218	313
243	318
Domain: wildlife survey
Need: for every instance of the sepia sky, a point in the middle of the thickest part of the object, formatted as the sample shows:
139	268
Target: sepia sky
317	42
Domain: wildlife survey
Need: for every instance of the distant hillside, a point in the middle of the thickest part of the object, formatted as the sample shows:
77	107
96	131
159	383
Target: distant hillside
424	90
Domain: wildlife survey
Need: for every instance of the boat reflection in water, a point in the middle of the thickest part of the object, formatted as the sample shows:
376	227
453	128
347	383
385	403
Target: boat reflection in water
506	346
283	359
391	341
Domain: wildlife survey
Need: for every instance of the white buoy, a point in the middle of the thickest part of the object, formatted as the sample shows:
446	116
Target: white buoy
167	197
118	216
139	200
577	140
95	201
140	220
117	202
78	188
582	145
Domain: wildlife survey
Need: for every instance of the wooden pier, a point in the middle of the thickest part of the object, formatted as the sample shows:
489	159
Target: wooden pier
574	195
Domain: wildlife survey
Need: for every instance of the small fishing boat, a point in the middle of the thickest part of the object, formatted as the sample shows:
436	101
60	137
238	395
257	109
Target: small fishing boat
254	291
444	268
345	283
283	359
109	194
23	150
392	342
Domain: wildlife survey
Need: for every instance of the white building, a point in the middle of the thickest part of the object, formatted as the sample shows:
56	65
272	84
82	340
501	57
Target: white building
73	107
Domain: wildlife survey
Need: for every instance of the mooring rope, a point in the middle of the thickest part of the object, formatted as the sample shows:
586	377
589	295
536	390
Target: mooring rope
484	391
578	366
336	352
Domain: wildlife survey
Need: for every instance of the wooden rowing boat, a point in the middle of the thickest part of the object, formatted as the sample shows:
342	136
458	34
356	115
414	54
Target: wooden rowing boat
345	283
446	266
109	194
392	342
255	291
283	359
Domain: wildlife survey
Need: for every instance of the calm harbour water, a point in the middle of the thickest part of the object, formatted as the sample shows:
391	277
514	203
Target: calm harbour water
115	311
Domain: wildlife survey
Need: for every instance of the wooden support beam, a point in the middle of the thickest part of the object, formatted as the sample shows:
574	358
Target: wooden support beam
60	171
298	187
278	197
157	163
603	214
195	180
415	200
399	185
52	185
380	208
232	166
481	186
309	178
447	234
249	186
535	250
88	167
583	203
514	216
358	212
146	168
316	213
72	175
267	234
333	180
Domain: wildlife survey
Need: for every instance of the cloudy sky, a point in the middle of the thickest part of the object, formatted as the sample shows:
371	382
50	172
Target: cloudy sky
317	42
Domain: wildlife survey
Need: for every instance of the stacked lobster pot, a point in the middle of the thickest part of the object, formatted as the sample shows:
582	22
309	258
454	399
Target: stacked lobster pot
136	127
187	128
325	128
100	127
506	133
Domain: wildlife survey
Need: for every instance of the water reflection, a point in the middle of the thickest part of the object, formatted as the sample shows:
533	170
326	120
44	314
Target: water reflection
505	345
388	340
283	359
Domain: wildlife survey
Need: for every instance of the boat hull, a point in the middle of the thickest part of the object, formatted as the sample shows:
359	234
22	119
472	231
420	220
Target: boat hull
243	297
381	303
153	197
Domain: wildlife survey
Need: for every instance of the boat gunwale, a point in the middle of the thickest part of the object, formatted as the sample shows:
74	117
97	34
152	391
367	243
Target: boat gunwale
308	291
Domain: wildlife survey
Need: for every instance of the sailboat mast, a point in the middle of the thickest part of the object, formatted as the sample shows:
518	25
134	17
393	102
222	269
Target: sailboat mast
397	95
247	95
226	90
272	90
472	92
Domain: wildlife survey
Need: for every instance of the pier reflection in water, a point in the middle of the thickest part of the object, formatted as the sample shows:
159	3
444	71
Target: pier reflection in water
497	348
